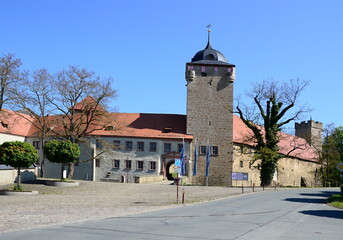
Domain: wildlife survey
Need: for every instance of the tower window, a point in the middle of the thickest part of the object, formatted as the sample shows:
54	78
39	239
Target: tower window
214	150
203	150
210	57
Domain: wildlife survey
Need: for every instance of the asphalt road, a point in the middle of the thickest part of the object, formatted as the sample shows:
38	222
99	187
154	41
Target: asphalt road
286	214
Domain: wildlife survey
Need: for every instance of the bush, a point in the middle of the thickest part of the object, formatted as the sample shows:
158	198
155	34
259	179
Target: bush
18	155
61	152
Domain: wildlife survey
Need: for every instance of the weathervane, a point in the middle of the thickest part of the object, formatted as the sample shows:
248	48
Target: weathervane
209	31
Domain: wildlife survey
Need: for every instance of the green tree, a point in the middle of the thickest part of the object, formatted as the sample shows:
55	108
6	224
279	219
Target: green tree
332	154
61	152
276	107
18	155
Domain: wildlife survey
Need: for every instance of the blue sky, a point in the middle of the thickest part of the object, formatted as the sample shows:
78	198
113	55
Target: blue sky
144	45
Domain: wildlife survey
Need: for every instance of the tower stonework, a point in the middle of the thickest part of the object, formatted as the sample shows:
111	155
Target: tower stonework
311	131
210	81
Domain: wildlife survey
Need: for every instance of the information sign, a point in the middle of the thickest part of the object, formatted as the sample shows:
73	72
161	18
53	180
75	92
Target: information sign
340	167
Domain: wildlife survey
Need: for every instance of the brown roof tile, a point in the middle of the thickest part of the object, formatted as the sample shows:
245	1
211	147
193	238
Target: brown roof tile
14	123
289	145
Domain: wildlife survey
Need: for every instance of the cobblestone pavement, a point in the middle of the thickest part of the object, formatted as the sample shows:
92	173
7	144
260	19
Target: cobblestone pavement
97	200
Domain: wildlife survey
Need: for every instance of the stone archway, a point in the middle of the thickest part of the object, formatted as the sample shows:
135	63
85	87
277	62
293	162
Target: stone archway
169	170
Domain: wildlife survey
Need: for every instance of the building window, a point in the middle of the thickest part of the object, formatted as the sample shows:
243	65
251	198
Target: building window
167	147
116	145
203	150
97	162
36	144
152	166
153	147
140	165
179	148
128	145
214	150
98	144
242	149
116	164
128	164
140	146
241	164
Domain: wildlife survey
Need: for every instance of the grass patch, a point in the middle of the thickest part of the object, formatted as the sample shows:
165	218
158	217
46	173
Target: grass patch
336	200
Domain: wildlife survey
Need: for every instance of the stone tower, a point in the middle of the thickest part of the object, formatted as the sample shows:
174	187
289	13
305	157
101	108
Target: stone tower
210	81
311	131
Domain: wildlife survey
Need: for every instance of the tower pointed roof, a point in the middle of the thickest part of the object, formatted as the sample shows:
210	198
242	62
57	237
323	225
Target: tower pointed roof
209	55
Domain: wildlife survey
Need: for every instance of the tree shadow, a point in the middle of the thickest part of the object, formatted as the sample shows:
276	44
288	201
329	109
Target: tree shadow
338	214
322	194
306	200
320	197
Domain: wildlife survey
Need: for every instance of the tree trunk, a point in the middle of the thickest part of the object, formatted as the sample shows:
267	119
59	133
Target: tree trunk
18	179
70	170
267	173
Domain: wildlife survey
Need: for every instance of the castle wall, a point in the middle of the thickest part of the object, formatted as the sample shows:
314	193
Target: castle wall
290	171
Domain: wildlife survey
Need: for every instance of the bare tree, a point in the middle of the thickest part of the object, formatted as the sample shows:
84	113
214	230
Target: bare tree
9	74
33	95
276	106
80	99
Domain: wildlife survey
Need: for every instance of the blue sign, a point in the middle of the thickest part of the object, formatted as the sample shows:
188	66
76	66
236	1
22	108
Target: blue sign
240	176
177	163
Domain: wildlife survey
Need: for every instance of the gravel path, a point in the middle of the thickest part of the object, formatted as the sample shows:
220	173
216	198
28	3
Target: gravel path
97	200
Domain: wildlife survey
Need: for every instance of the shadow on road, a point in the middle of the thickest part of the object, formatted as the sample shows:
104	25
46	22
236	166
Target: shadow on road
325	213
317	197
306	200
325	194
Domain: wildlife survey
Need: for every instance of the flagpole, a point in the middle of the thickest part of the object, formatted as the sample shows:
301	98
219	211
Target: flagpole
207	161
195	160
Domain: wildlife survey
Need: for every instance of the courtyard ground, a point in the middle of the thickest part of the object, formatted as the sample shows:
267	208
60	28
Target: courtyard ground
98	200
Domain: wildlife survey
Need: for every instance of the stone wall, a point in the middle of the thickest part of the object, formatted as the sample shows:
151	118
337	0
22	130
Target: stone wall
8	176
290	171
209	120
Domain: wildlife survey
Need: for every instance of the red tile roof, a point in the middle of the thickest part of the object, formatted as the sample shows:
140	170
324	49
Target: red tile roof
159	126
14	123
289	145
145	125
87	103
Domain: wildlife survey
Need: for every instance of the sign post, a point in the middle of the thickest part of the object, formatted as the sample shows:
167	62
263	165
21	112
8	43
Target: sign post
177	170
340	168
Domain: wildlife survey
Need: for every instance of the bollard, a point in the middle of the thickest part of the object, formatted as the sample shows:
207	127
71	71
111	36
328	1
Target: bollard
183	196
253	187
242	189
